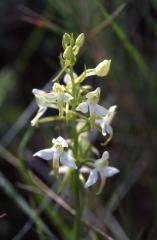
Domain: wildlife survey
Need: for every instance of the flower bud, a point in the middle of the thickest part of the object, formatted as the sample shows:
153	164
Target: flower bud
80	40
66	40
103	68
68	54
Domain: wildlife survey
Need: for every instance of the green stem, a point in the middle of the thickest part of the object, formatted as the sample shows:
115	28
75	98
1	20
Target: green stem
50	119
77	226
78	115
60	73
74	130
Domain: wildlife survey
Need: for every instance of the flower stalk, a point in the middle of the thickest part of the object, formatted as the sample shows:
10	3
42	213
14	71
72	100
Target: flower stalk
77	224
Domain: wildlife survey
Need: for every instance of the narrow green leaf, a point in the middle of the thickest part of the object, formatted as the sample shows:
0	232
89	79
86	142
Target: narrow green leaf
134	53
11	192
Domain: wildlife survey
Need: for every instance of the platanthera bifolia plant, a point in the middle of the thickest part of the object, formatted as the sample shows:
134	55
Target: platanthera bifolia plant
78	106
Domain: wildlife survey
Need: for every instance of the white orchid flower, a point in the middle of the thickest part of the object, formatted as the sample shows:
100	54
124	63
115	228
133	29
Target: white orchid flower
43	100
61	97
101	168
57	98
105	121
92	106
57	154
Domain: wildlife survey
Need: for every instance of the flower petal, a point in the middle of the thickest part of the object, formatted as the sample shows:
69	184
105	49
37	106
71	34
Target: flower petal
85	169
67	97
40	112
110	115
94	95
63	169
62	142
112	109
46	154
67	160
110	171
83	107
40	97
105	156
45	99
93	177
106	129
51	98
101	111
67	78
38	92
92	114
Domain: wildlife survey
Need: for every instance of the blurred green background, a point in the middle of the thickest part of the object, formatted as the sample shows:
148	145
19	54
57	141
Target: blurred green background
30	43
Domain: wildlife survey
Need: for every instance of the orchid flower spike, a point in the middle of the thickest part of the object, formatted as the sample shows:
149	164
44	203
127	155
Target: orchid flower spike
101	168
92	106
57	153
43	100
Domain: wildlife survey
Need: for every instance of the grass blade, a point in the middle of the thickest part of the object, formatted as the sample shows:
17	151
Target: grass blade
134	53
11	192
